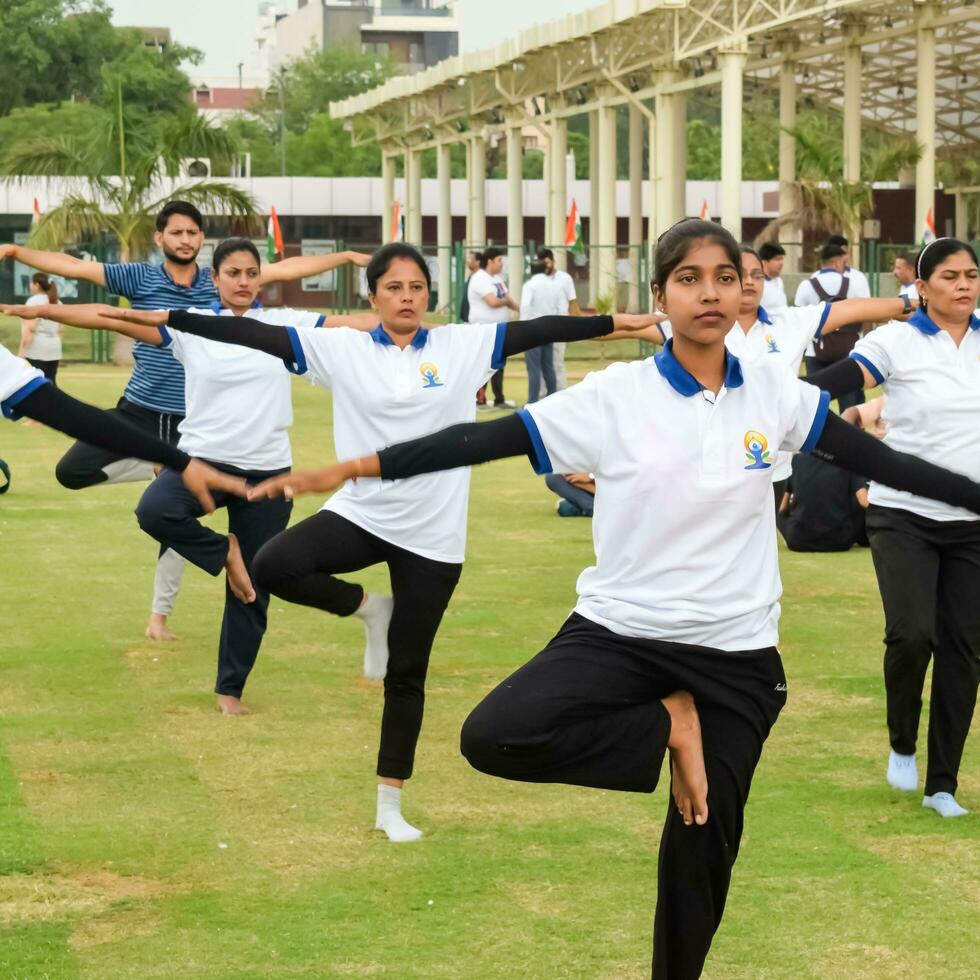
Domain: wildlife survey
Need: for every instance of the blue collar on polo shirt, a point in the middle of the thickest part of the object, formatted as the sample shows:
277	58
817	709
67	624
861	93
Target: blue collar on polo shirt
217	306
682	381
764	317
380	336
923	323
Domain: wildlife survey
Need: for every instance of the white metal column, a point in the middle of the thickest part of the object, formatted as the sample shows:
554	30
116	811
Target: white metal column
515	209
444	224
593	207
548	176
388	193
636	205
607	201
670	206
478	189
792	235
852	105
925	117
559	188
413	195
732	65
961	219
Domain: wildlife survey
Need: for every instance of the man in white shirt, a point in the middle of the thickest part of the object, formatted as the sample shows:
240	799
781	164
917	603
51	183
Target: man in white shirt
489	301
773	255
570	306
904	272
543	295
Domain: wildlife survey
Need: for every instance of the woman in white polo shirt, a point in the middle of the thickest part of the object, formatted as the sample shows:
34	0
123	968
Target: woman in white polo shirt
397	382
927	554
672	645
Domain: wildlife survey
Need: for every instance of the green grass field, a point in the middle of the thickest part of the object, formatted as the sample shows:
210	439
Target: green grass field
143	835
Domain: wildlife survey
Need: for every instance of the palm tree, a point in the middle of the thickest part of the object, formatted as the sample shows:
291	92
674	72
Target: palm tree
126	205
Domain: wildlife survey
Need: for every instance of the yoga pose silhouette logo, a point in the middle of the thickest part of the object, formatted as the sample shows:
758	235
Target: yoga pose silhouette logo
757	451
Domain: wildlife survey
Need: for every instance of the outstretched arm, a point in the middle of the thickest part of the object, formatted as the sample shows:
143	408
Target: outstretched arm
856	451
304	266
872	310
91	316
55	263
522	335
460	445
842	378
80	420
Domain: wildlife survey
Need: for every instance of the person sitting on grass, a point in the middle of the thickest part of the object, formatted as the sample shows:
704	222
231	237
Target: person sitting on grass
576	490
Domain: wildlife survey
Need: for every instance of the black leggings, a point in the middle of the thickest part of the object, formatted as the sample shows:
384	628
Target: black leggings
299	566
48	368
587	711
929	577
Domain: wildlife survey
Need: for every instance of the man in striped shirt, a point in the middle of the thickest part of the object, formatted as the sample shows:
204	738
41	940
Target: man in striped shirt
154	397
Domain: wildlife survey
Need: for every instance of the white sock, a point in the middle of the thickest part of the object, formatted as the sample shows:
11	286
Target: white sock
902	772
944	805
376	614
390	818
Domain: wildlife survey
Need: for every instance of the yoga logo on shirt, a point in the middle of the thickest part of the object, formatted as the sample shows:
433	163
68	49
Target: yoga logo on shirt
430	375
757	451
771	346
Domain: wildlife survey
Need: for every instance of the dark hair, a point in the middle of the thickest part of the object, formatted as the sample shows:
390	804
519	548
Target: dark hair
381	262
832	250
546	253
838	240
477	254
938	251
537	266
675	243
231	245
909	258
489	254
769	251
179	207
47	285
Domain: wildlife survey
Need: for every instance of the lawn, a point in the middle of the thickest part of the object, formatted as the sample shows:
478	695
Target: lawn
143	835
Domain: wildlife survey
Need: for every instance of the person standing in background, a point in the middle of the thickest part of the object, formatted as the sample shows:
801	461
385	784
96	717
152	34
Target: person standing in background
489	301
40	340
904	272
570	307
541	296
772	256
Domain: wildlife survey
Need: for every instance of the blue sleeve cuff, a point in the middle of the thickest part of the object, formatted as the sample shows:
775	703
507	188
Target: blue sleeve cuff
299	357
819	421
497	360
166	335
823	320
320	320
9	405
539	455
862	360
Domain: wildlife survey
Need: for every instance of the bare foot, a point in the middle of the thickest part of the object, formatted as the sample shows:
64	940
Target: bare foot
689	781
238	580
156	628
228	704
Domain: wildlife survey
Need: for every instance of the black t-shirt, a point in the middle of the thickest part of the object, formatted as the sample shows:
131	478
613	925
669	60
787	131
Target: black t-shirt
825	514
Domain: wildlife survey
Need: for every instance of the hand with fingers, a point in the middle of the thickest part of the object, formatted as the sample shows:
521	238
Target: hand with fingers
636	322
145	318
201	479
291	485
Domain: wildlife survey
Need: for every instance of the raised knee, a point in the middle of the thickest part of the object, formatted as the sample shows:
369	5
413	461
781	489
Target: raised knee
72	478
268	572
150	519
480	743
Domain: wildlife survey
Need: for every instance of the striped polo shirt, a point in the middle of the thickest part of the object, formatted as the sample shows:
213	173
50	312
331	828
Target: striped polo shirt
157	382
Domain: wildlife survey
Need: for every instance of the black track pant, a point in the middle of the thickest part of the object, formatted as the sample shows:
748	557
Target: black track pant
300	566
587	711
929	577
169	512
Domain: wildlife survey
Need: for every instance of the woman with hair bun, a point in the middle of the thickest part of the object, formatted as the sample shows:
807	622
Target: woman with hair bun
40	339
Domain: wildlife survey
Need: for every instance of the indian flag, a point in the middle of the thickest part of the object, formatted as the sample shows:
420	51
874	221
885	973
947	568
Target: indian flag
705	213
573	231
929	228
38	214
274	244
397	232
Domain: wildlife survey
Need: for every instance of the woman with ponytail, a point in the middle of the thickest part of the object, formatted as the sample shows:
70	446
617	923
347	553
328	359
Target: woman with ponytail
40	340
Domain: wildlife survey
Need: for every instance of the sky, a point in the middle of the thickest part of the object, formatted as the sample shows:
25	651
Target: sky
223	29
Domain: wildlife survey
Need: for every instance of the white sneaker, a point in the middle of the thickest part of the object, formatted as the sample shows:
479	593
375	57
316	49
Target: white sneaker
944	805
506	403
902	772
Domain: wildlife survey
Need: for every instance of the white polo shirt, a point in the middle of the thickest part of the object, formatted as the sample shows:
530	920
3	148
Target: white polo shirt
774	294
684	528
482	284
567	286
239	400
383	395
932	403
777	337
908	289
542	296
830	279
17	380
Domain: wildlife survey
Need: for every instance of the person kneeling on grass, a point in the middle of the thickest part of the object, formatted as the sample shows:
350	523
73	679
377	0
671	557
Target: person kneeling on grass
672	645
577	492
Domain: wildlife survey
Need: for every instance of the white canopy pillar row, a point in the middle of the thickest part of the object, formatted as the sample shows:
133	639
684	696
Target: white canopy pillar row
852	122
732	63
559	188
636	205
607	196
593	207
791	235
515	205
444	223
413	196
925	114
388	157
477	184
